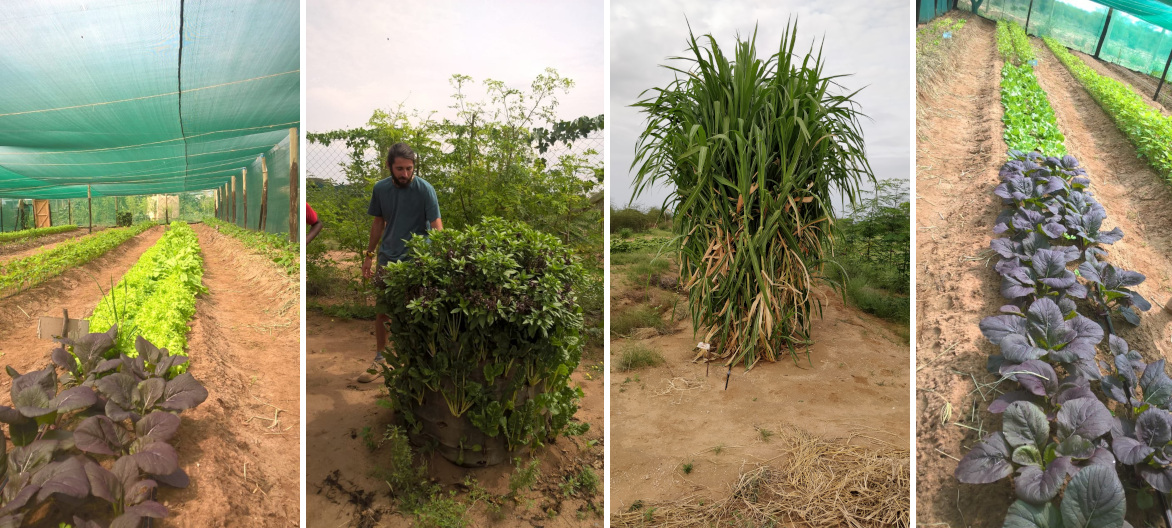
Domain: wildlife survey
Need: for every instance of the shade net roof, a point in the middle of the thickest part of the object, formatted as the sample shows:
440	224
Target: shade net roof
142	97
1155	12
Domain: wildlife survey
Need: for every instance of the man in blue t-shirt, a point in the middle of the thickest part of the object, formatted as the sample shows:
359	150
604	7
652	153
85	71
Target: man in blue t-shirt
402	205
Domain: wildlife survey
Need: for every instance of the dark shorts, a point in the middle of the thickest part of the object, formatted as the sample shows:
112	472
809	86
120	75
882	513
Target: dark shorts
380	297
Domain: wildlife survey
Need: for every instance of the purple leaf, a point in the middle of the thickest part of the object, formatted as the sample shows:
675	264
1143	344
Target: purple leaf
1153	427
1086	417
987	462
1130	451
140	491
1001	403
74	399
183	393
118	387
103	483
1035	486
99	435
178	479
156	458
66	477
160	426
1094	497
147	393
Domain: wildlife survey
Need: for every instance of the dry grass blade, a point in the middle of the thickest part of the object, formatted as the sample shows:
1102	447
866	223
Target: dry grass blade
818	484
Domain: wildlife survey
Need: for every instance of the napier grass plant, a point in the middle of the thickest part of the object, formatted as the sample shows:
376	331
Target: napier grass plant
753	148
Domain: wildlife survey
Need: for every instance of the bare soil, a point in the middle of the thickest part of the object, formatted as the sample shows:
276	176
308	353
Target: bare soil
22	249
243	347
667	417
343	487
959	150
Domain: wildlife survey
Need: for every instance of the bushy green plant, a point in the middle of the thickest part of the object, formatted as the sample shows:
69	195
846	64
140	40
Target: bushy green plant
753	148
34	269
1030	123
480	315
29	234
1148	129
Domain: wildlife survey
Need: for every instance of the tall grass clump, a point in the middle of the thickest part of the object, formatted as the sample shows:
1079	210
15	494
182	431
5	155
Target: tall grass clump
753	148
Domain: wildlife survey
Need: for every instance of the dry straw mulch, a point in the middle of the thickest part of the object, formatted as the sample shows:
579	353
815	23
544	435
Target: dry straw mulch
819	483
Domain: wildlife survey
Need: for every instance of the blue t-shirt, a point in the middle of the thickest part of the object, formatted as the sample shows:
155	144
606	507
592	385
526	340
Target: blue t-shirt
407	211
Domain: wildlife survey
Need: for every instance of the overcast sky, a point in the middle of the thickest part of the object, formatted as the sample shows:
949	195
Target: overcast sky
364	55
869	39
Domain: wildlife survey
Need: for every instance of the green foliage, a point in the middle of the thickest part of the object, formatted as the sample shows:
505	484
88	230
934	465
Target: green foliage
639	356
156	297
482	315
278	248
1148	129
639	244
1013	44
625	233
623	321
753	149
524	476
124	219
1029	120
638	221
483	162
584	483
29	234
930	36
35	269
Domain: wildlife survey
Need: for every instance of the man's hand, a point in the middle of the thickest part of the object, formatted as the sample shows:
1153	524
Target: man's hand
367	273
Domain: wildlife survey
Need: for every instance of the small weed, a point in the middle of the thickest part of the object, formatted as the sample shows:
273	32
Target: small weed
639	356
687	468
765	433
718	449
523	477
577	428
369	440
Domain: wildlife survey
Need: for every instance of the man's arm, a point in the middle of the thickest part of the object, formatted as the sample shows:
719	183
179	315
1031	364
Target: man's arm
313	231
376	234
437	224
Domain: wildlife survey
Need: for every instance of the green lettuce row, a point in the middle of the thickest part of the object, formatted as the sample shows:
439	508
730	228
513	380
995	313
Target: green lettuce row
1029	119
35	269
156	297
29	234
276	247
1148	130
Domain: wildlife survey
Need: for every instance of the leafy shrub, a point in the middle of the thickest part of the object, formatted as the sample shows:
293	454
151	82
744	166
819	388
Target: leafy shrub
630	219
124	219
625	233
29	234
480	315
35	269
1148	129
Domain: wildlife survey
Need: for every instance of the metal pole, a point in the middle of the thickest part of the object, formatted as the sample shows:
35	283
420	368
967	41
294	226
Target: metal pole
1162	77
1103	35
1028	13
89	204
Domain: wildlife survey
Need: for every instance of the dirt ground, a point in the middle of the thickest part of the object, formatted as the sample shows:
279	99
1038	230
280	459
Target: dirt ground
22	249
246	353
680	413
959	150
342	488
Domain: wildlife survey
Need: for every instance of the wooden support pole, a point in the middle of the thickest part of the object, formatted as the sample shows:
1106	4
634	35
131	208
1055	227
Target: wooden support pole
1162	77
216	202
1	215
294	187
89	201
115	211
233	199
264	194
1103	35
244	192
70	202
1028	13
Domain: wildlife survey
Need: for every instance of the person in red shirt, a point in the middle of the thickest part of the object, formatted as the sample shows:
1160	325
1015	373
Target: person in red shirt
315	224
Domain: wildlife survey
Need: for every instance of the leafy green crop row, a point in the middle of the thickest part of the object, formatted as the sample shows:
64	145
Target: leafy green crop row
35	269
278	248
1029	120
156	298
1013	43
1150	131
29	234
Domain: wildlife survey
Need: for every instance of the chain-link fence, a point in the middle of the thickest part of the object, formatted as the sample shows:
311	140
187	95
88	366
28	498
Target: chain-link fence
329	161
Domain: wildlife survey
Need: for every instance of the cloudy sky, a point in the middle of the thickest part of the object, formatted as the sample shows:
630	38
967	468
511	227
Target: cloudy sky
871	40
364	55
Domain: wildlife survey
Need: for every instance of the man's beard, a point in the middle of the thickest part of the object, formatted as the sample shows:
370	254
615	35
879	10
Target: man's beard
401	184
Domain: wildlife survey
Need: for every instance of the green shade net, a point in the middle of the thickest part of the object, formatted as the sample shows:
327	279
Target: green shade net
1139	36
926	10
141	98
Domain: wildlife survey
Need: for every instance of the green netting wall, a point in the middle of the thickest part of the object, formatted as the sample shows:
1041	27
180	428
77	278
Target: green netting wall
190	206
132	98
926	10
276	160
1131	42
